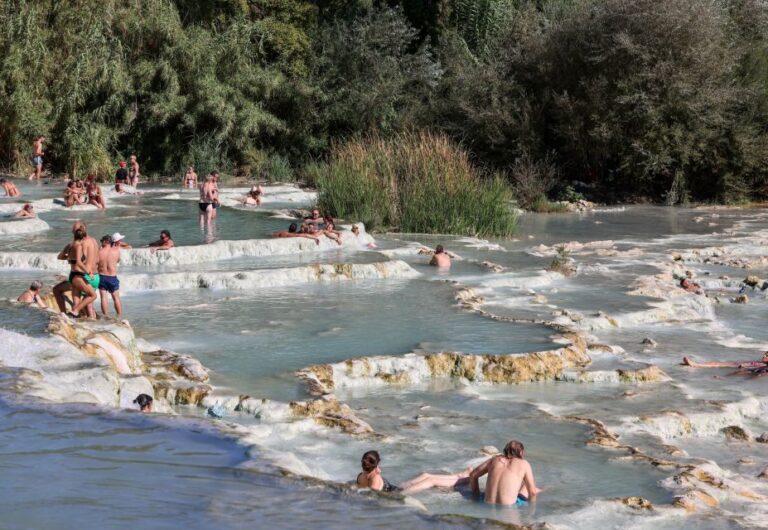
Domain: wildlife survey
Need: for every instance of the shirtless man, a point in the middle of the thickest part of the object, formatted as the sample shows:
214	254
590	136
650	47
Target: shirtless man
510	477
10	188
314	221
32	295
121	175
119	241
209	195
37	157
441	258
293	232
216	204
83	257
26	211
109	257
133	172
164	243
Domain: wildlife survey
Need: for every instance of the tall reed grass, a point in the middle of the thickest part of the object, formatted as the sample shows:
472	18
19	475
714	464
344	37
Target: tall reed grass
415	182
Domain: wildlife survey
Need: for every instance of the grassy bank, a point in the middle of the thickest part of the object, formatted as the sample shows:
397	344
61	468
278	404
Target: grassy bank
415	182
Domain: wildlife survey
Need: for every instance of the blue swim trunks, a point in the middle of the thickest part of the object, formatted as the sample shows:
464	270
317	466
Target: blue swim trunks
109	284
37	160
521	501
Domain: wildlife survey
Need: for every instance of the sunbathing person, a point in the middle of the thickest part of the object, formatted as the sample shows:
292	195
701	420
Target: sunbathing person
70	194
32	295
510	477
427	481
253	197
293	232
691	286
164	243
748	365
10	188
371	477
26	211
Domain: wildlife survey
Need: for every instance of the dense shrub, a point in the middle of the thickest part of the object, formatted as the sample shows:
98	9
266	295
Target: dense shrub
415	182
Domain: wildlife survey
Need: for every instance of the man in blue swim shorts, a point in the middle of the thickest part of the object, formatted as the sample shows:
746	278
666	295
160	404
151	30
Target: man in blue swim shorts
510	478
109	257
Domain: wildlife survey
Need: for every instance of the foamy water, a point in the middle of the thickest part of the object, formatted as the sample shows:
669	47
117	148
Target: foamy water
256	311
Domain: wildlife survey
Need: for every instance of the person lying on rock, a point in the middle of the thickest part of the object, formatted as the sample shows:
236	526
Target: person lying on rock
440	258
9	187
742	365
164	243
293	231
691	286
27	211
32	295
510	478
371	477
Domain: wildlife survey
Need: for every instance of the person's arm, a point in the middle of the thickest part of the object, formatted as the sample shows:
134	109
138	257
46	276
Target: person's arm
530	482
433	261
64	254
474	477
125	246
40	302
377	483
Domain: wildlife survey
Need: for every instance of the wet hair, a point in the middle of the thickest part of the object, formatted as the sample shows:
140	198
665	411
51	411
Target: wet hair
514	449
36	285
370	461
107	239
2	181
682	281
165	233
27	207
71	184
143	401
439	249
293	227
80	234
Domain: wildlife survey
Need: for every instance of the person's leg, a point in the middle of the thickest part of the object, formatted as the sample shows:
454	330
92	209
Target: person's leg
104	302
118	303
427	481
688	362
79	285
58	293
210	213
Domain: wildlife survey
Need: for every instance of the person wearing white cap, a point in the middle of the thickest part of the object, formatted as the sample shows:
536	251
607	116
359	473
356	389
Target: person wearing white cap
118	240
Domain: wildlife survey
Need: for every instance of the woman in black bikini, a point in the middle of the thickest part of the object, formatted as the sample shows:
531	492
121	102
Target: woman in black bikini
371	474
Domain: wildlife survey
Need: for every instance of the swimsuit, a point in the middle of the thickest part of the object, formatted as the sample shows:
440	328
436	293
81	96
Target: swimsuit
388	486
109	283
203	206
37	160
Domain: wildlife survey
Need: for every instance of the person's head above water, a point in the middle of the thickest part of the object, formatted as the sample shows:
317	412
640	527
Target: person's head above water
144	402
685	282
27	207
106	241
122	163
370	461
165	235
292	228
439	249
514	449
76	225
36	285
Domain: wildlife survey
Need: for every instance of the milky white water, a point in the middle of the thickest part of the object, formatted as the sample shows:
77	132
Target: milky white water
255	314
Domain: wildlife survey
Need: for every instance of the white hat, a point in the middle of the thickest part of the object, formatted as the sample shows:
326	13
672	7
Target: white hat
117	236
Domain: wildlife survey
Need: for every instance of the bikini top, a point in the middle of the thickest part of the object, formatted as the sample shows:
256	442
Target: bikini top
388	486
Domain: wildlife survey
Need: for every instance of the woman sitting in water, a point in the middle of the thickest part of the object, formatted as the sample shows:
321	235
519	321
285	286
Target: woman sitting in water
329	229
253	198
371	474
26	211
94	195
10	188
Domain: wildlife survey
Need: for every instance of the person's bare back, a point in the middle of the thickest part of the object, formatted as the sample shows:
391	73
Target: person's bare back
509	475
108	260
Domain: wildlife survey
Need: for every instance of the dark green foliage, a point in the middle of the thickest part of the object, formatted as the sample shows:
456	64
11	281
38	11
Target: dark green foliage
416	183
